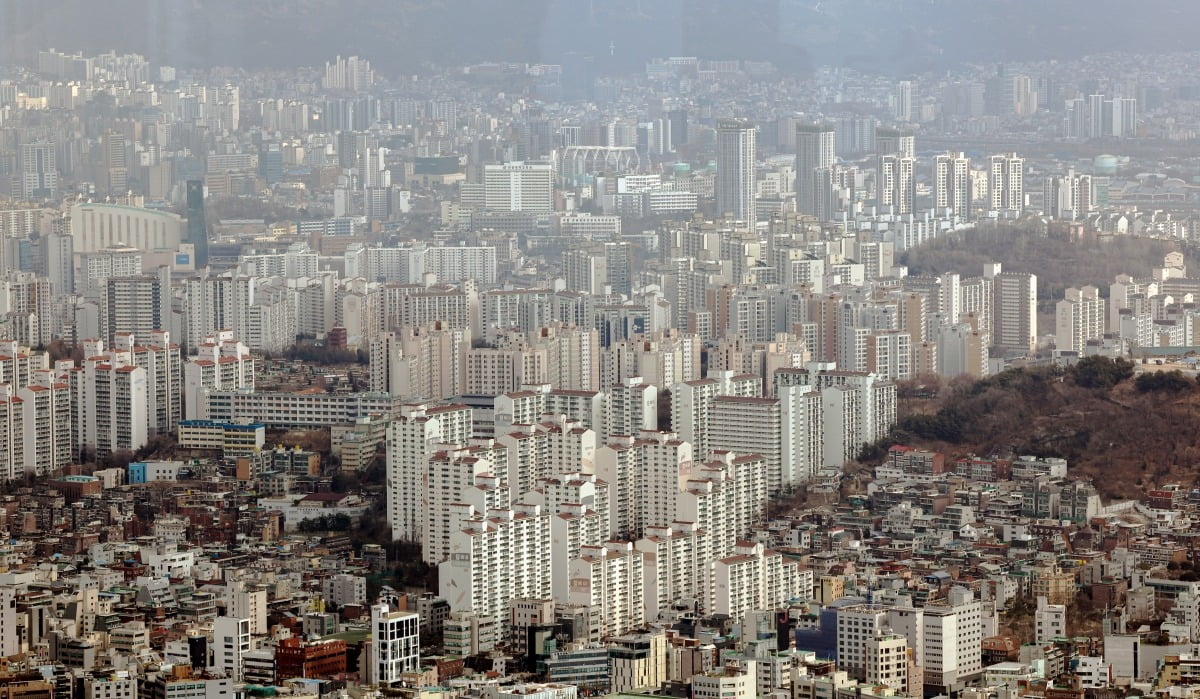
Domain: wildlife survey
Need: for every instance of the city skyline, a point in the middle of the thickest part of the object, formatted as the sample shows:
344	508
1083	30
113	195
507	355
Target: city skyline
704	349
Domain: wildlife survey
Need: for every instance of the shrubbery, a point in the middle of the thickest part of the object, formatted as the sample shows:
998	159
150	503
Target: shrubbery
1168	381
1101	372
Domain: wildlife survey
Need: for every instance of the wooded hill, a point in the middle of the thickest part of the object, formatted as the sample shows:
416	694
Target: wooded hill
1126	434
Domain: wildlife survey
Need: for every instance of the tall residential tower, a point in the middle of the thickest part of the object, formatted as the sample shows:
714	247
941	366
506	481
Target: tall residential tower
735	169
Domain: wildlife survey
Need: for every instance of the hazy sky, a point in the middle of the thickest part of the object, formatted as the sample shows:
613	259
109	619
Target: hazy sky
397	35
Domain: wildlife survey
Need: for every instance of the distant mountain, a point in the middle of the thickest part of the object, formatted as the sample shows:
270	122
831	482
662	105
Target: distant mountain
400	35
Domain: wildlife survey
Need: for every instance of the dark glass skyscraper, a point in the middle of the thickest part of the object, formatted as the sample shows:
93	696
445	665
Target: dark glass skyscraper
197	229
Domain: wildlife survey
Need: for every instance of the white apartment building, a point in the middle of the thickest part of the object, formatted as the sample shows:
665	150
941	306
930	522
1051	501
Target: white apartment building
961	351
952	183
856	626
410	263
450	472
661	358
160	359
1006	178
609	580
297	262
677	565
425	362
751	425
110	406
414	305
573	526
551	447
572	356
490	371
413	437
35	414
287	410
644	474
221	363
632	407
1079	317
889	355
96	267
496	557
25	294
136	305
526	407
724	497
752	578
736	156
260	311
45	426
691	404
1014	311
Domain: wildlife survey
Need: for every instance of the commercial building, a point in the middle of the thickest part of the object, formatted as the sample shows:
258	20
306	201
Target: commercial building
395	643
519	186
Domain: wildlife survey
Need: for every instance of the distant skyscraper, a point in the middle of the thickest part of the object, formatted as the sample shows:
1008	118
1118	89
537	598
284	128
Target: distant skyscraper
895	142
370	168
116	164
1025	96
903	101
39	172
578	77
952	183
735	169
270	162
1068	196
815	153
1077	118
998	96
1124	117
351	73
1095	116
347	149
197	229
651	140
1006	179
856	134
679	126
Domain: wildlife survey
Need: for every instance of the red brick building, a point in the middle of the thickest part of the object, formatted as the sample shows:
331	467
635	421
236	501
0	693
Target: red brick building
316	660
